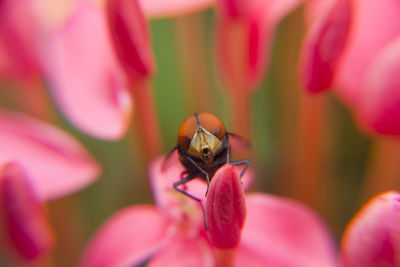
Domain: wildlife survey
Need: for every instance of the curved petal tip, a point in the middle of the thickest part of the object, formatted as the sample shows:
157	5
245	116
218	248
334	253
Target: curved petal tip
23	217
56	163
373	236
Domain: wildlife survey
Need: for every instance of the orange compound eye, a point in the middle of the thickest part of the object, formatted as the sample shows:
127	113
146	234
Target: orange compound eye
207	121
212	124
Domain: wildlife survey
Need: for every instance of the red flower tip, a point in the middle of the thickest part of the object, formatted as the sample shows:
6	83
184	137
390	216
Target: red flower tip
232	8
323	47
23	217
373	236
131	39
225	208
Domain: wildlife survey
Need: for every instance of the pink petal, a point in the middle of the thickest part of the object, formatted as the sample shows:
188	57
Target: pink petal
128	238
130	34
323	46
56	163
170	201
164	8
86	79
24	218
373	236
243	40
225	208
17	35
184	251
283	232
380	101
374	25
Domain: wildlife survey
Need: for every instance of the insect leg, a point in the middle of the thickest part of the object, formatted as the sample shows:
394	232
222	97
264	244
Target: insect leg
238	162
183	182
203	172
242	162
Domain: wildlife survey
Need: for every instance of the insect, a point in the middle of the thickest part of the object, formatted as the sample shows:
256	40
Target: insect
203	147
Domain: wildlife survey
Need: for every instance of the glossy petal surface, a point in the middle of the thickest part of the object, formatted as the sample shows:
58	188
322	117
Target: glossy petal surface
128	238
161	8
85	77
380	101
276	227
323	46
225	208
374	25
373	236
24	220
56	163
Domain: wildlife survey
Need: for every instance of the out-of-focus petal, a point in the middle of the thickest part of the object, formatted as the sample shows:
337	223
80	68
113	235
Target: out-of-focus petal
323	46
276	227
243	40
373	236
184	251
128	238
374	25
380	101
84	74
23	217
171	202
17	35
56	163
130	34
225	208
165	8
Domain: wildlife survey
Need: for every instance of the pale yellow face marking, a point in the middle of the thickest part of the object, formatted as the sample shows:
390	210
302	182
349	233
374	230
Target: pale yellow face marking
204	144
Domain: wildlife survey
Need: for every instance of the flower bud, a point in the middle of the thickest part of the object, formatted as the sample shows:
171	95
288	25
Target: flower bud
225	208
131	39
373	236
23	216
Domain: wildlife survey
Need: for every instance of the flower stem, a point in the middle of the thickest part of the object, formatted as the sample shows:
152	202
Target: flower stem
190	35
146	119
223	257
383	168
306	181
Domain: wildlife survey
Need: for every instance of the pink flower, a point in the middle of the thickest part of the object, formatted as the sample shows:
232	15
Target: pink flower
353	46
244	33
85	76
37	163
156	8
373	236
173	234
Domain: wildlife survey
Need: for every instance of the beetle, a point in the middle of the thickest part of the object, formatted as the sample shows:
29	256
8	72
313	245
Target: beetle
203	146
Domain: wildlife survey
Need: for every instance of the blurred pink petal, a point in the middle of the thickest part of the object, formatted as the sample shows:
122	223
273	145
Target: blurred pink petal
24	219
374	25
131	38
225	208
373	236
164	8
184	251
18	37
85	77
284	233
380	100
323	46
128	238
56	163
243	39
